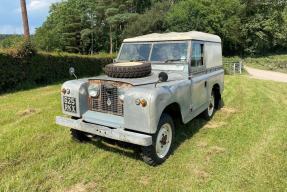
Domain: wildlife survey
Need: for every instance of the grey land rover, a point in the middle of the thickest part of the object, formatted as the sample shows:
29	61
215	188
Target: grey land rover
155	78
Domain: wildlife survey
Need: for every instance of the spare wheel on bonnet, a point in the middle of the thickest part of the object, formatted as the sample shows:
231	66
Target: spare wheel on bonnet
128	70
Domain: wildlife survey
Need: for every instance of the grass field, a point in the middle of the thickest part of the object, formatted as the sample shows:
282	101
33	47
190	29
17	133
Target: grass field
272	63
243	148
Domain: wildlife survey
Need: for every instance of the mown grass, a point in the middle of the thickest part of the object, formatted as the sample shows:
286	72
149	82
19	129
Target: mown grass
273	62
243	148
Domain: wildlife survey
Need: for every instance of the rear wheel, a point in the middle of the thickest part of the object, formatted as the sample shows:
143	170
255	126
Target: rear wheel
208	113
162	140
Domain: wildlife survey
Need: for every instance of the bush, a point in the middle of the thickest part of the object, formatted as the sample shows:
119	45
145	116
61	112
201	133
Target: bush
11	41
21	71
226	70
24	49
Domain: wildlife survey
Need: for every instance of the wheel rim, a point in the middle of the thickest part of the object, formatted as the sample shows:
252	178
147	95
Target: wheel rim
211	106
163	141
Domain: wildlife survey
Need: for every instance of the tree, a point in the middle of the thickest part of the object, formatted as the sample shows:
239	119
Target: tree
245	26
47	40
66	24
263	26
116	13
85	25
88	26
49	36
73	25
153	21
25	19
89	15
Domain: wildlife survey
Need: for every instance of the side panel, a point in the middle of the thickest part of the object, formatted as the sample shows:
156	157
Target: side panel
215	77
199	91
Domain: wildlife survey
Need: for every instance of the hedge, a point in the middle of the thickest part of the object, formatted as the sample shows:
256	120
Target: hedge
45	68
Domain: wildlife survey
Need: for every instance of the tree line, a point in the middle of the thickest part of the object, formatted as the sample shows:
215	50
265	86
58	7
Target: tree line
90	26
5	36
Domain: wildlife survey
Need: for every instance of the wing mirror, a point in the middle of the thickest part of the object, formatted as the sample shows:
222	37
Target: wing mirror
72	72
162	76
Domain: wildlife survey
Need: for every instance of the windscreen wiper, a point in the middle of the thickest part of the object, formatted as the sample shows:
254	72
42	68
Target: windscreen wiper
132	60
166	61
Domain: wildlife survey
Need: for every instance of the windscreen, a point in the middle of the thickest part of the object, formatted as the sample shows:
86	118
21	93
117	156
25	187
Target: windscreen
138	52
169	52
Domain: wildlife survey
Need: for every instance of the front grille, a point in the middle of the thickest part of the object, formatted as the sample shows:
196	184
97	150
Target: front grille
109	97
108	101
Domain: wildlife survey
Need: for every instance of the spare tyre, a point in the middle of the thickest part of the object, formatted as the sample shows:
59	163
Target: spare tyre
128	70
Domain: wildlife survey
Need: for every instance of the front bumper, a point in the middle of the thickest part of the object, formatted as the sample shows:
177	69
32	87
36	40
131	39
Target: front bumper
117	134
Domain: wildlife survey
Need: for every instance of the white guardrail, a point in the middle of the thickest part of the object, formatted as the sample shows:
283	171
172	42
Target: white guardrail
233	66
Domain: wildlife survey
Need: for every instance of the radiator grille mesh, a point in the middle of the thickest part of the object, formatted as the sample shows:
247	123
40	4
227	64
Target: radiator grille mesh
108	101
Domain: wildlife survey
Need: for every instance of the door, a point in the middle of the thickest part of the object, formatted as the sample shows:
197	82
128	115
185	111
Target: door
198	75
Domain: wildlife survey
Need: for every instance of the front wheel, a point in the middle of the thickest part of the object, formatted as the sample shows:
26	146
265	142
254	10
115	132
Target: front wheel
162	140
79	136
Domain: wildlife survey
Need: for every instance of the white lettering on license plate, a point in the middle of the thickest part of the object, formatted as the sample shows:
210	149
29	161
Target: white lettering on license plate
70	104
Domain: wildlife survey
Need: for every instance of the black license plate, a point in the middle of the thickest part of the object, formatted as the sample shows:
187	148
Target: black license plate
70	104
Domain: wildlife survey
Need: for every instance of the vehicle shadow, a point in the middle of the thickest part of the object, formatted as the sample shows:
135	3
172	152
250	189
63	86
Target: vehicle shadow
130	150
186	131
183	132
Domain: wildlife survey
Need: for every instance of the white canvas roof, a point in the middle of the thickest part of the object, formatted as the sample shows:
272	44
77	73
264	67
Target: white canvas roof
173	36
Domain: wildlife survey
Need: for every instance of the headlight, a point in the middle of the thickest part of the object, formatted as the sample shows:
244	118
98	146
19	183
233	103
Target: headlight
94	90
122	91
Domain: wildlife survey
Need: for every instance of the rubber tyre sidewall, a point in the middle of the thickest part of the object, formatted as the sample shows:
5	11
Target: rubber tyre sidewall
205	114
157	160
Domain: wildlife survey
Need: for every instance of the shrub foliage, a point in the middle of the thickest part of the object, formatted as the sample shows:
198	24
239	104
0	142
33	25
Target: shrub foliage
20	72
10	41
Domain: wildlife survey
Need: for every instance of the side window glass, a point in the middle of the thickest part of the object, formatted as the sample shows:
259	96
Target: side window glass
197	55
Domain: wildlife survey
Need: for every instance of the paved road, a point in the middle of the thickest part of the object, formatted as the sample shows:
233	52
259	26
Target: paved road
267	75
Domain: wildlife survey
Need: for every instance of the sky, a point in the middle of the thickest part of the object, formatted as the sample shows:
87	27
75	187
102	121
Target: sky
11	17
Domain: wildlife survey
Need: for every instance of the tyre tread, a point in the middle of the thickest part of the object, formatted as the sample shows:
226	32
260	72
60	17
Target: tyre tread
147	151
204	115
132	71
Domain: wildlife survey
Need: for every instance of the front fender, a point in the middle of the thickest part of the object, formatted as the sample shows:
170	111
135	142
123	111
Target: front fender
78	92
170	93
145	119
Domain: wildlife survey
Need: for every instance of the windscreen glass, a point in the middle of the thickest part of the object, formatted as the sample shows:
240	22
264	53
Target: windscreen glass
138	52
169	52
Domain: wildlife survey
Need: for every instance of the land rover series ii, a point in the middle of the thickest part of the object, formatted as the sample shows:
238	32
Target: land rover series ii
155	78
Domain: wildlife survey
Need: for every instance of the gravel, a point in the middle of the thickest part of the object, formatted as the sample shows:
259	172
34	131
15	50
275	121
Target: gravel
267	75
